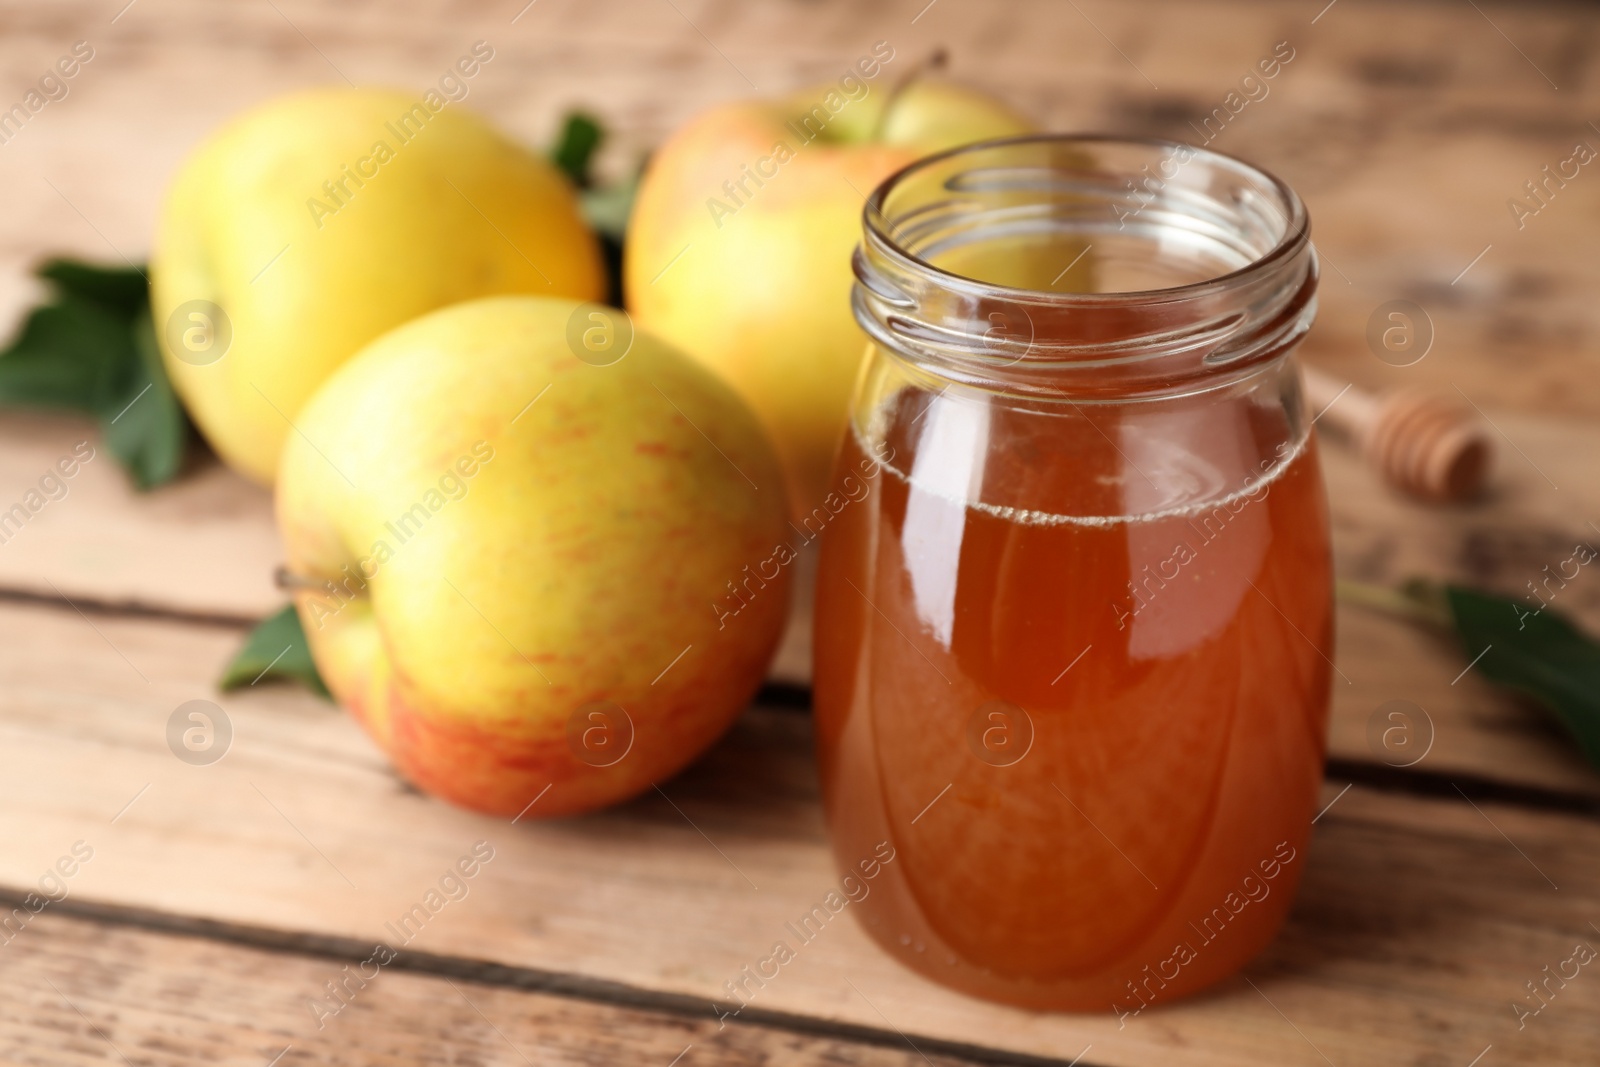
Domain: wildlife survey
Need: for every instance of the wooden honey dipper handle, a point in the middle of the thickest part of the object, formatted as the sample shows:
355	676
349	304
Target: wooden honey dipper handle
1425	442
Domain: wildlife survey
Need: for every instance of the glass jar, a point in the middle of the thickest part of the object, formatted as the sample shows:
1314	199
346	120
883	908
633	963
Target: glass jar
1074	614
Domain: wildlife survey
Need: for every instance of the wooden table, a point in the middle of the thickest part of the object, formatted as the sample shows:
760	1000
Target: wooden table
220	900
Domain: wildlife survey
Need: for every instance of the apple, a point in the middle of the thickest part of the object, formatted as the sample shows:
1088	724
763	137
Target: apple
738	250
312	224
533	576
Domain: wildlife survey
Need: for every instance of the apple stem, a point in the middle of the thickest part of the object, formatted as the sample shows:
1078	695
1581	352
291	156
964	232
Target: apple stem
935	60
289	581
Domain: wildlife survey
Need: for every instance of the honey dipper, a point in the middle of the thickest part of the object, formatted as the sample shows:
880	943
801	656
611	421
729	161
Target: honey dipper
1423	441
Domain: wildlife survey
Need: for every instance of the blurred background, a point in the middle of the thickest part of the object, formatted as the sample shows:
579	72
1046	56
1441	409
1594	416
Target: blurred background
1405	126
1447	152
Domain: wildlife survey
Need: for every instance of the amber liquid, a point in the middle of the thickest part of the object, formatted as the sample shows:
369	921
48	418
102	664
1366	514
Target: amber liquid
1095	753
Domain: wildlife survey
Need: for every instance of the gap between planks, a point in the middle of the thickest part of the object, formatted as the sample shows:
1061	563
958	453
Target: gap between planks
578	987
788	696
127	609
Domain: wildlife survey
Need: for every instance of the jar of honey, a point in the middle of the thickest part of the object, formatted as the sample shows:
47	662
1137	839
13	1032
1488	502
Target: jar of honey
1074	614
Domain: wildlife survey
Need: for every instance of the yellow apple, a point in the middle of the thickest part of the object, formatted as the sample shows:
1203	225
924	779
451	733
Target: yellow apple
314	223
525	571
739	247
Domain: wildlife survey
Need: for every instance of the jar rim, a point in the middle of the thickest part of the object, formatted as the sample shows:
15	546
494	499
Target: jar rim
1297	223
1023	338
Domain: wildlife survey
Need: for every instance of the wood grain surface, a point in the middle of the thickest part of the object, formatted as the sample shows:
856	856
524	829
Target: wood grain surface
205	548
1417	924
78	992
219	896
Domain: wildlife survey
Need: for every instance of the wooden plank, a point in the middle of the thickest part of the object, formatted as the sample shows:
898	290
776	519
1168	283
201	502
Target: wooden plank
1418	922
1543	502
1474	729
79	992
203	545
206	545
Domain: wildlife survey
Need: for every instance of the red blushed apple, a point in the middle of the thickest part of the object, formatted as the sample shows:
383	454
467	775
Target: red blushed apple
533	576
739	246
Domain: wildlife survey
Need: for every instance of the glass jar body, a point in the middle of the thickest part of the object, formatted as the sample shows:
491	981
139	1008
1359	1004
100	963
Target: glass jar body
1094	742
1072	673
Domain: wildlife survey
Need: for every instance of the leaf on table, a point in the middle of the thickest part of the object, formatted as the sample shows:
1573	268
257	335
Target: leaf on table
118	288
91	348
150	432
71	354
276	650
1540	654
574	150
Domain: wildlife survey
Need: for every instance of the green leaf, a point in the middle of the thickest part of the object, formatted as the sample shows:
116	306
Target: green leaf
606	208
117	288
73	354
575	148
276	650
1538	653
92	348
147	430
